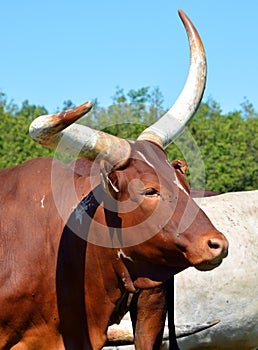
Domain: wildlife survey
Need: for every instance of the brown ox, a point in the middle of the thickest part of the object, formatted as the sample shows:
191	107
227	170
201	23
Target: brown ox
74	247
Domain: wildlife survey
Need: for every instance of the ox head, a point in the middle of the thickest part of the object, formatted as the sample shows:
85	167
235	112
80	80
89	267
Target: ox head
151	195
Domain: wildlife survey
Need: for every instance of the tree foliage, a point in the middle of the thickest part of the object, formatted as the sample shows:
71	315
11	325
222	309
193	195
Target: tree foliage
221	149
15	143
228	145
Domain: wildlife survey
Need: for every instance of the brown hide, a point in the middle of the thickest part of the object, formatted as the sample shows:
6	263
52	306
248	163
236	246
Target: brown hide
61	291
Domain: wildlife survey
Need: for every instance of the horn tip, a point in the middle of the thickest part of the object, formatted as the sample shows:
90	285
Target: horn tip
181	13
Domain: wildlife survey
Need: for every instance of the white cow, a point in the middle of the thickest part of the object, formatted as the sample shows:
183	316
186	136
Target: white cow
230	292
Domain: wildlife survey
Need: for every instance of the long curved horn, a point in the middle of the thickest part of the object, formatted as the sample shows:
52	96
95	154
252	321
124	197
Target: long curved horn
165	130
122	334
58	131
189	329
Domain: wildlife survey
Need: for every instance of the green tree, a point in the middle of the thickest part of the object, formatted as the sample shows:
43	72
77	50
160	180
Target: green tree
227	145
221	149
15	144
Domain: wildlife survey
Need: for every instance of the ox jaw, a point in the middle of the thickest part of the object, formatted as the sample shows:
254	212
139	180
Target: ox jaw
141	274
156	277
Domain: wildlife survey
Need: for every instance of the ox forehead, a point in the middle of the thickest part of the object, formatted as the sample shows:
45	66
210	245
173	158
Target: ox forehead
149	165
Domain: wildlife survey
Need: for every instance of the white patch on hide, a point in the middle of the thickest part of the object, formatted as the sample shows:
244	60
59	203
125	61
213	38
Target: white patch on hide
179	185
42	201
79	213
121	253
145	159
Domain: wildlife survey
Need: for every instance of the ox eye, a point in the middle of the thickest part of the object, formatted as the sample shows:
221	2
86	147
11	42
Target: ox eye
150	192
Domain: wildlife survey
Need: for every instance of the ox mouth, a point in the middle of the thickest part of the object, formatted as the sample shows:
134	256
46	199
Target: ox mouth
208	265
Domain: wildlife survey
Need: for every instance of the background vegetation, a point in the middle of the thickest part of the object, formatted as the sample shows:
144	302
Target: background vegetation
228	143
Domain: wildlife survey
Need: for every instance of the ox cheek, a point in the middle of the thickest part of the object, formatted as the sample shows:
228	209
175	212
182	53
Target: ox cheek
169	254
201	244
171	248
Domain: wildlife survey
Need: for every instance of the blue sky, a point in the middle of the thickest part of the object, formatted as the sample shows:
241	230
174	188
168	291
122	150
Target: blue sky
52	51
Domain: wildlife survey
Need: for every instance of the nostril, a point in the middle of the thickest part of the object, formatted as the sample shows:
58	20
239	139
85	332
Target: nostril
214	243
218	248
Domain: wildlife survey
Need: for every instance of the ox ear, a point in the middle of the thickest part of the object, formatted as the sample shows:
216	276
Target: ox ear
108	178
180	165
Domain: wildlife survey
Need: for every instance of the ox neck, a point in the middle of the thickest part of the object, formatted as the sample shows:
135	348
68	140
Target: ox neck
88	207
